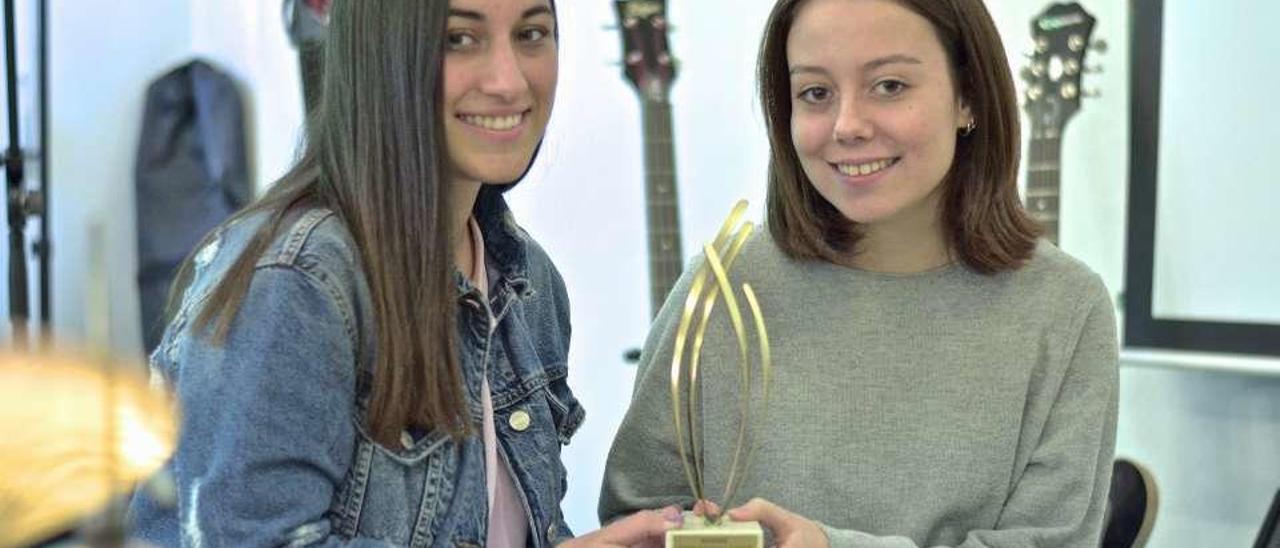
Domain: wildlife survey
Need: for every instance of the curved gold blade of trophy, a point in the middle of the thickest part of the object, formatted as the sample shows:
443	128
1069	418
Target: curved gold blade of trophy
766	374
730	223
693	473
744	365
682	333
72	438
695	354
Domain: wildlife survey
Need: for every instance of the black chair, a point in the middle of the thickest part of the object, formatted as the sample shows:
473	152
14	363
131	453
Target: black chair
1269	535
1131	508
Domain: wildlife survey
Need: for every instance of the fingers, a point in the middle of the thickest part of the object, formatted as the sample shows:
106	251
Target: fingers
706	508
640	527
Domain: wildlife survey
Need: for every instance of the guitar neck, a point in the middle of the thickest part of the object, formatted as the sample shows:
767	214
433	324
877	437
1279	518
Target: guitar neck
1044	178
666	261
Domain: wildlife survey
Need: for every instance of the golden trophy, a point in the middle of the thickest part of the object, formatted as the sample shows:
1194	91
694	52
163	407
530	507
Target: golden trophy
717	530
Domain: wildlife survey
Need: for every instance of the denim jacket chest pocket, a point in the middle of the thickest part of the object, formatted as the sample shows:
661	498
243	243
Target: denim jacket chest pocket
400	495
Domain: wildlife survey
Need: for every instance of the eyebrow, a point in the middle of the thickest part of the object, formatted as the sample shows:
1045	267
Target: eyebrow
868	66
477	16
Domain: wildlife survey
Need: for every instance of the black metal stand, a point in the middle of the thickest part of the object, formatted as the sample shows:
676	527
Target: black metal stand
23	203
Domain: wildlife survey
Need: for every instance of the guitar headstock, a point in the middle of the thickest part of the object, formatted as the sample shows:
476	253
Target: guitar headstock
646	58
1062	35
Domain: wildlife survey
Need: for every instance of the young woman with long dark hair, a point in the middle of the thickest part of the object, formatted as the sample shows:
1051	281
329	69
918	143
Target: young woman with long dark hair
374	353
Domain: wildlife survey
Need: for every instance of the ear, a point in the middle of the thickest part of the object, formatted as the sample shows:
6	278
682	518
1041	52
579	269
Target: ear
964	115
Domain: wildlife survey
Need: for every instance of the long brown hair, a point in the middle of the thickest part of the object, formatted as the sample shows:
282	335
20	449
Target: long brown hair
982	217
375	154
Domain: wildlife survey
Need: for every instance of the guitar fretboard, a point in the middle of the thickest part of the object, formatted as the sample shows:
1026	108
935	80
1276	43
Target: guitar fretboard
1044	175
666	261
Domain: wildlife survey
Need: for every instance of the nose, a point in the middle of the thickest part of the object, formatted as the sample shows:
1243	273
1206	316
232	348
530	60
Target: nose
505	76
852	124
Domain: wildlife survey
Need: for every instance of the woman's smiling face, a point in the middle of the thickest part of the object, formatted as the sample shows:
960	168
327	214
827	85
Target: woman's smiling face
875	112
500	70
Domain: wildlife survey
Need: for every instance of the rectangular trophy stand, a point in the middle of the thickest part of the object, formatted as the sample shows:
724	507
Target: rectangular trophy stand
698	533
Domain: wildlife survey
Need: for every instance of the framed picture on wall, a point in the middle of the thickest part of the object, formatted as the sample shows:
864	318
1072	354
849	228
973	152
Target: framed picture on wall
1203	257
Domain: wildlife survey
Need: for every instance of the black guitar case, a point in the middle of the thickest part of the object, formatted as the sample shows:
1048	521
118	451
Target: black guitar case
191	174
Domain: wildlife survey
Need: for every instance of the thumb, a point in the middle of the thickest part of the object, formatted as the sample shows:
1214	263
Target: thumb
641	526
763	511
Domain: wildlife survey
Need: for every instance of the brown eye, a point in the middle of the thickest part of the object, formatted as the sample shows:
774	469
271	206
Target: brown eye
533	34
890	87
456	41
815	94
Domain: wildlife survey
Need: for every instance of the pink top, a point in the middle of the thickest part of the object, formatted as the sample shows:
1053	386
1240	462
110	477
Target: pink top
508	526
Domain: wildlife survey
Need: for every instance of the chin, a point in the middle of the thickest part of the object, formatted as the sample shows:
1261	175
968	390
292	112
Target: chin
865	214
495	171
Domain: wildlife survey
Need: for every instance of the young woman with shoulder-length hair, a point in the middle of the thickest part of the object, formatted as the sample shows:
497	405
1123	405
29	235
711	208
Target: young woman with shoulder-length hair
374	353
941	376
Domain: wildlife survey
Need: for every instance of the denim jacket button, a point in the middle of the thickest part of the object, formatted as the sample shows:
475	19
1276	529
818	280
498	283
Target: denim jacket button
519	421
406	439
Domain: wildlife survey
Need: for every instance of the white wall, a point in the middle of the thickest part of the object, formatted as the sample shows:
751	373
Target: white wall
102	58
1211	437
1224	270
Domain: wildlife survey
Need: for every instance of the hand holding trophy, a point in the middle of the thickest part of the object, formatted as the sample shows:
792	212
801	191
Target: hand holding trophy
712	528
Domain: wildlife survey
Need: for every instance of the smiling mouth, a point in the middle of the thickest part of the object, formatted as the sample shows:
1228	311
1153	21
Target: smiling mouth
866	168
494	123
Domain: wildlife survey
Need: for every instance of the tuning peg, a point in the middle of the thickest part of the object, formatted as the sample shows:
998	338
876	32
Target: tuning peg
1099	45
1094	69
609	28
1091	94
1069	91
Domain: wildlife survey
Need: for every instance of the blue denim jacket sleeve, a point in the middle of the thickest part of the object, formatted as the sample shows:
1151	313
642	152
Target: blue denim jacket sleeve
268	417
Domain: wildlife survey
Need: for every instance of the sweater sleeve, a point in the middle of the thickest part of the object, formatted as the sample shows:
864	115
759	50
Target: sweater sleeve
1061	495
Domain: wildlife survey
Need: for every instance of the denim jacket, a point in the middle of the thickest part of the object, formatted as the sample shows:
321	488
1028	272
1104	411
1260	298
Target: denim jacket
273	450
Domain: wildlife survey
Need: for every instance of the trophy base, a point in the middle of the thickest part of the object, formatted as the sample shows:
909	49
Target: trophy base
697	533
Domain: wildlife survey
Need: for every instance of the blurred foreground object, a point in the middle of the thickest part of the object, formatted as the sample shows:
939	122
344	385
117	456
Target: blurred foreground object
74	434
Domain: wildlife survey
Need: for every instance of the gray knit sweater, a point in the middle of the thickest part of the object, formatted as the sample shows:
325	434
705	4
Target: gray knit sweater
945	408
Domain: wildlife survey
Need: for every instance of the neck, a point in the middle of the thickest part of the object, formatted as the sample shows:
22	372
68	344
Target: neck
465	193
907	245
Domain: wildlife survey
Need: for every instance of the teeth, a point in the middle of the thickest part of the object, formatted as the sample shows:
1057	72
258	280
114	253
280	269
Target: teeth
864	169
496	123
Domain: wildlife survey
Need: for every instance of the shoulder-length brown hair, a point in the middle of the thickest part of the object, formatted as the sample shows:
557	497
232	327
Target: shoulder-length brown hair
375	154
982	218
